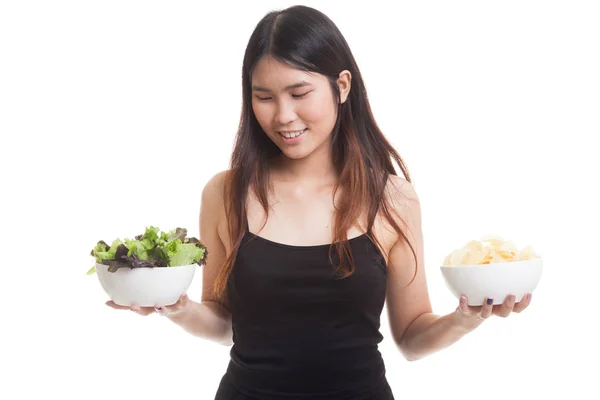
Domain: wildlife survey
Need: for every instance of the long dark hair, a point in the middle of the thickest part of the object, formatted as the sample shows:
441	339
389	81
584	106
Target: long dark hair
306	39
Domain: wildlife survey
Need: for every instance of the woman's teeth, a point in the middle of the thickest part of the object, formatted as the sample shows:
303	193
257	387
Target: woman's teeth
292	135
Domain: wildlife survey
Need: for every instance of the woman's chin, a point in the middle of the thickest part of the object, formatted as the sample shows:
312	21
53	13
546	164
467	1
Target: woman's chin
294	155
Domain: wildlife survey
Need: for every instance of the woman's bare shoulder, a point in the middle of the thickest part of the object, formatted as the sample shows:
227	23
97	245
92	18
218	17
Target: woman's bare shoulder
402	200
213	205
214	186
399	188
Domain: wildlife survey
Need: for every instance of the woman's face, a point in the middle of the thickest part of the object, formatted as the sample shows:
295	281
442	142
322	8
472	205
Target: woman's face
296	109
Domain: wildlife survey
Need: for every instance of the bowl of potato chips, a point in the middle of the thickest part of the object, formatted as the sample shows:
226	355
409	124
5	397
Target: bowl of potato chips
491	268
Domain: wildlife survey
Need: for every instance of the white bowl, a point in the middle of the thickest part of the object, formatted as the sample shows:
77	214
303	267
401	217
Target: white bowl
145	287
495	281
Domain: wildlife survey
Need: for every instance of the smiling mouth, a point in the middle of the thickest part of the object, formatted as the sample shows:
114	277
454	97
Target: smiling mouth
293	135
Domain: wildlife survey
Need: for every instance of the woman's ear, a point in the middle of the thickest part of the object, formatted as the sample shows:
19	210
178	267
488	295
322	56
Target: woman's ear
344	82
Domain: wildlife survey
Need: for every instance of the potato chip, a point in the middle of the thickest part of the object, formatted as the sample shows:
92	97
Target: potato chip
455	257
476	253
490	249
508	247
491	238
526	254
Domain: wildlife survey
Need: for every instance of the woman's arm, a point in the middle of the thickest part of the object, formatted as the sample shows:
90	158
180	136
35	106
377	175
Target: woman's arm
429	333
416	330
210	319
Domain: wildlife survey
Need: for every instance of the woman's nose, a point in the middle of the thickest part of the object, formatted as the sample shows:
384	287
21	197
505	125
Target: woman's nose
285	113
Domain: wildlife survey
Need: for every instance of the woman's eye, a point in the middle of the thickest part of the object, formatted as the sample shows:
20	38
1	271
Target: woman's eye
296	96
300	95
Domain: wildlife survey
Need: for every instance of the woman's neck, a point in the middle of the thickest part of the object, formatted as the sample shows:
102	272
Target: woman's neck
308	170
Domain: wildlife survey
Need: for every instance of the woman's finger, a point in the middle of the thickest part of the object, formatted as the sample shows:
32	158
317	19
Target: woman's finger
116	306
466	309
134	308
173	309
521	305
486	309
506	308
180	305
463	305
141	310
160	309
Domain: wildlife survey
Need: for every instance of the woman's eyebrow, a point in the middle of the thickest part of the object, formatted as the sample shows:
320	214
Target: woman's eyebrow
294	86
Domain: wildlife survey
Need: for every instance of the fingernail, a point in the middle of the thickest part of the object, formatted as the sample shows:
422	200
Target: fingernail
490	301
158	308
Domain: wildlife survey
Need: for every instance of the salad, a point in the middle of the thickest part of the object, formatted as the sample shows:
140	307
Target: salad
153	249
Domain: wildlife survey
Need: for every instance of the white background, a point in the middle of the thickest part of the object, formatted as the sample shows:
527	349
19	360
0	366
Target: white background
114	114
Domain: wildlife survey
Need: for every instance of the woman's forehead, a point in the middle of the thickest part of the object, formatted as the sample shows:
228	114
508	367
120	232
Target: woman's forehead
271	74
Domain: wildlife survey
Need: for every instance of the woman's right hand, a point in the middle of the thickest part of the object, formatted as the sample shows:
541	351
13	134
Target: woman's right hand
158	308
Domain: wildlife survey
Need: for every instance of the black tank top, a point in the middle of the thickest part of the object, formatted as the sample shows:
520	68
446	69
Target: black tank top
299	331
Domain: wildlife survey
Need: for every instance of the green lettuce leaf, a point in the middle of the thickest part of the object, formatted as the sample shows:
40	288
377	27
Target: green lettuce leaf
187	254
149	250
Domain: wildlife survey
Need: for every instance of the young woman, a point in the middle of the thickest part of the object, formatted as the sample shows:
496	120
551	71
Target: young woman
311	230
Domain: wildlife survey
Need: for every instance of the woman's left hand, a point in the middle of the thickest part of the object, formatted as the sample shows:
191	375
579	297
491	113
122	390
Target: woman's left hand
480	313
